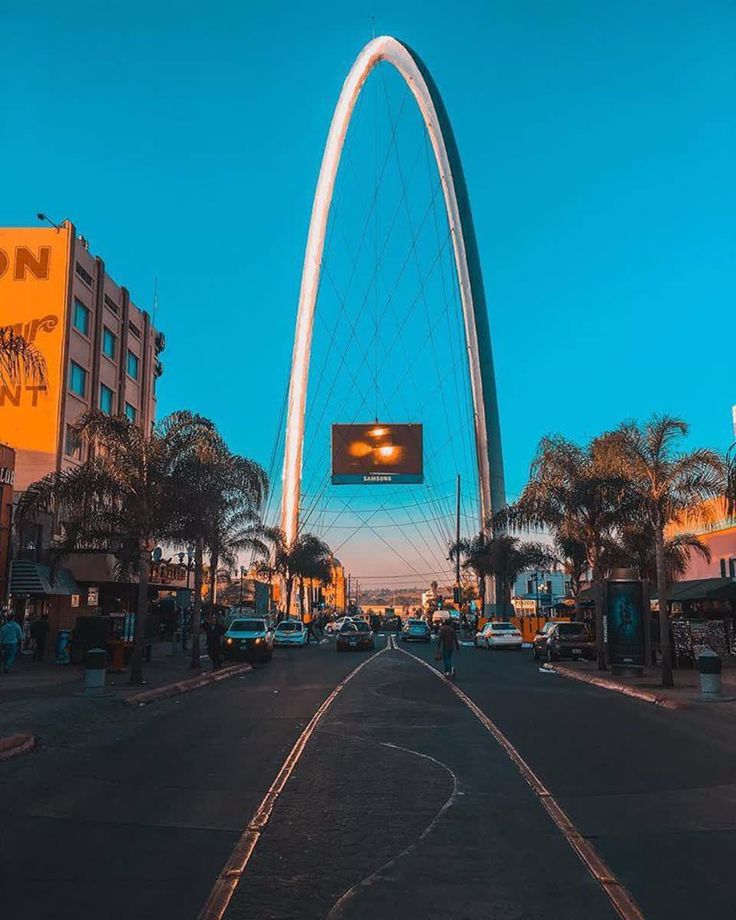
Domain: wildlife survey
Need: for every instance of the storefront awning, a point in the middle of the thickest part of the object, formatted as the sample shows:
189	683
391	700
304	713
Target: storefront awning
27	577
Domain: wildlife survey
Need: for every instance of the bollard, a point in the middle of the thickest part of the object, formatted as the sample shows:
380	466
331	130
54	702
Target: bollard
709	665
94	671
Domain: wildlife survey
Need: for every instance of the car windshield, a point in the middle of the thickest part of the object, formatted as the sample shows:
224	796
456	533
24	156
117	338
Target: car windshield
289	627
500	627
568	630
348	627
362	627
417	624
248	626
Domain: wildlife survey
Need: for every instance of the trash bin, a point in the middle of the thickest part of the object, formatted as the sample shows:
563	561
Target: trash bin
709	666
62	646
95	663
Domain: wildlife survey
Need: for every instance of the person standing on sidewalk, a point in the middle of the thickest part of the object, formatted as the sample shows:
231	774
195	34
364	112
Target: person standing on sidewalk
446	645
39	634
11	637
215	629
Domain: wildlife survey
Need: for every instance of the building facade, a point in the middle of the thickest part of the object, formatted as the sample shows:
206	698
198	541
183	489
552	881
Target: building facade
101	350
7	477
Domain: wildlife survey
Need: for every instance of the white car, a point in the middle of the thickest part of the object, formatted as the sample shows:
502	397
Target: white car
498	635
290	632
336	625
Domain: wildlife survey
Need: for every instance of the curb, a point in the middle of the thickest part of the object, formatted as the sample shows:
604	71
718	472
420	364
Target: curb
16	744
185	686
644	695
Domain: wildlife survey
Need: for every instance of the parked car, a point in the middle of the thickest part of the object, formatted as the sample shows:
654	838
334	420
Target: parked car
498	635
249	639
416	631
355	636
290	632
564	640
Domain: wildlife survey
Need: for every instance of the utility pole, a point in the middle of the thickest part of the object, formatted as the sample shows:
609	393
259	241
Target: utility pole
347	599
457	539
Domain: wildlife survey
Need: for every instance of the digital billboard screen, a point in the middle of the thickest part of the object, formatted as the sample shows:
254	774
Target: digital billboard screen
377	454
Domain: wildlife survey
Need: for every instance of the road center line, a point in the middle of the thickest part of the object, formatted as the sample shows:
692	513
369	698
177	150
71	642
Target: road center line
617	894
222	891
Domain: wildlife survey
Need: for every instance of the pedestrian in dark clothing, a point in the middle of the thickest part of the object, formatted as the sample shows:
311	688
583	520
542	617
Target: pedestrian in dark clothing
446	644
215	629
39	634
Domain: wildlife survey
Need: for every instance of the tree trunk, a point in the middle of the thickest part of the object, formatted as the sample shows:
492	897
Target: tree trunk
197	610
214	563
289	588
665	638
301	598
139	633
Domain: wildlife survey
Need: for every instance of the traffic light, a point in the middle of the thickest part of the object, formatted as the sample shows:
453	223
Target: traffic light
457	594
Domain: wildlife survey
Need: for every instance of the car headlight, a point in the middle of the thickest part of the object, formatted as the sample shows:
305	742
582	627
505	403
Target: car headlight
229	641
260	640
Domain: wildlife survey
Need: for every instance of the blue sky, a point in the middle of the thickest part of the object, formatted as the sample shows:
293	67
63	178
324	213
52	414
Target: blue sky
184	140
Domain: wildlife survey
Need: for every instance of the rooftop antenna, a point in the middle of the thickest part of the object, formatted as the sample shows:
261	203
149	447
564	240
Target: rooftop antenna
44	217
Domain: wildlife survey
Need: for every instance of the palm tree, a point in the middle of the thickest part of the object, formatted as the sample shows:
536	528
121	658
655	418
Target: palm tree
577	493
18	358
306	557
503	557
120	499
235	527
212	484
667	486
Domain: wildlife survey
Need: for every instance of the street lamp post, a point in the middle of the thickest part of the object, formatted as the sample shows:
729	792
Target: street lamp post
242	573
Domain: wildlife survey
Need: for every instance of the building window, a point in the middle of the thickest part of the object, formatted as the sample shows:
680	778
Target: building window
77	380
732	568
134	330
84	275
133	364
111	305
109	343
81	317
723	568
72	444
106	399
131	412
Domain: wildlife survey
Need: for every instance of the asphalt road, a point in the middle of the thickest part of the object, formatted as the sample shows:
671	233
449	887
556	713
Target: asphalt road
402	804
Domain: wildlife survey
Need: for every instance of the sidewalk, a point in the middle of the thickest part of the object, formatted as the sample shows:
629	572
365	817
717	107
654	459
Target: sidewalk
33	679
648	688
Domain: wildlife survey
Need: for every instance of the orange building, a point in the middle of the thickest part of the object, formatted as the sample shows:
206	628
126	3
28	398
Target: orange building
717	530
101	351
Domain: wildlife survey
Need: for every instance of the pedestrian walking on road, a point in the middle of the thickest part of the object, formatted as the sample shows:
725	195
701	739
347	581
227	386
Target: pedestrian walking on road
446	645
309	623
39	634
11	637
215	630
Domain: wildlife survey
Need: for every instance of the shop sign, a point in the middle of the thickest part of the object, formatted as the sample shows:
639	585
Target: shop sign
7	476
93	596
75	600
624	623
